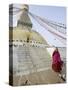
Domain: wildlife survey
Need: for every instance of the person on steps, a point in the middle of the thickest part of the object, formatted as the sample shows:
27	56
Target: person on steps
57	63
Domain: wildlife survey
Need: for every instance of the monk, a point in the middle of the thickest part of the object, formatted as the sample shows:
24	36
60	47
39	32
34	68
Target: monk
57	63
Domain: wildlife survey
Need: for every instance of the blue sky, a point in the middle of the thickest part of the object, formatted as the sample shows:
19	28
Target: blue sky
54	13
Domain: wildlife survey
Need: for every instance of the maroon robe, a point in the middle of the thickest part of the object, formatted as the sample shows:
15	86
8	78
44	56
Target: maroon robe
57	62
